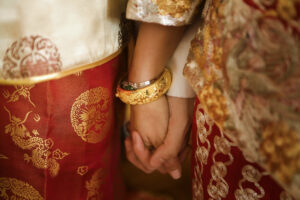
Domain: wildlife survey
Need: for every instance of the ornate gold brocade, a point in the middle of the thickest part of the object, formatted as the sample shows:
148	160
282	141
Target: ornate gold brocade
215	104
91	115
218	188
14	189
174	8
287	9
82	170
21	90
93	185
202	151
164	12
251	175
42	157
280	146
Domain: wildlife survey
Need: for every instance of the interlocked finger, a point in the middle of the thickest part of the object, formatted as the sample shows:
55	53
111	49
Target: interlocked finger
132	157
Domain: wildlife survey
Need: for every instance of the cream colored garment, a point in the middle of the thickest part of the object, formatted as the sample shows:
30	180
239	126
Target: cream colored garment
180	86
83	31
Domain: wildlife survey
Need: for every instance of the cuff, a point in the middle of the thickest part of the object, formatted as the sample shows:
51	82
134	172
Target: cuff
164	12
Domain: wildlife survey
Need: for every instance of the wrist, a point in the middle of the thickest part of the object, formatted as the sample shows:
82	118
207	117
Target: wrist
138	74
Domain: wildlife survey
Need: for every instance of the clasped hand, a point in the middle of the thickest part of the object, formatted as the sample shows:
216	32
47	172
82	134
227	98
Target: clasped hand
158	139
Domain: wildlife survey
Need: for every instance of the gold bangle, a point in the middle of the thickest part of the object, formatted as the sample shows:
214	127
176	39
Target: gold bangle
147	94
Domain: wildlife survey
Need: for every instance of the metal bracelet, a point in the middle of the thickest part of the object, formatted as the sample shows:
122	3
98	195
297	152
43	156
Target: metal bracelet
134	86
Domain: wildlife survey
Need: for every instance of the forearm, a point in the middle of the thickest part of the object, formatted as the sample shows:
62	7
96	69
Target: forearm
155	45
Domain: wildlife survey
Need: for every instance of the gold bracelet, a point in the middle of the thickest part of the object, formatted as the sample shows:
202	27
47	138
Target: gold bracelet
147	94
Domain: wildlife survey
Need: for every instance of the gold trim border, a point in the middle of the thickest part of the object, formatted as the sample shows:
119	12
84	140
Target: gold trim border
58	75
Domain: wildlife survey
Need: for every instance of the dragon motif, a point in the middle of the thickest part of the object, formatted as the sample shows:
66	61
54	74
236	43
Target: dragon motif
21	90
18	190
42	156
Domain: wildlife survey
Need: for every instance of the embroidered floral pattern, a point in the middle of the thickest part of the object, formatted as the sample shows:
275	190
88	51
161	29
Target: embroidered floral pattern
167	12
202	150
281	149
174	8
243	64
31	56
215	104
251	175
222	159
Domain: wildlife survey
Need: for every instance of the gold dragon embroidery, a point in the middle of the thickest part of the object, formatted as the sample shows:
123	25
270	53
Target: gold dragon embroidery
94	184
11	188
42	157
21	90
91	115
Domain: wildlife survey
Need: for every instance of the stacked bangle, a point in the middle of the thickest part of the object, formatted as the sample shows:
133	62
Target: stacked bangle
151	92
134	86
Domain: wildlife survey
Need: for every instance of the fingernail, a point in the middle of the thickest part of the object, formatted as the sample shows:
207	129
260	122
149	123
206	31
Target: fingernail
175	174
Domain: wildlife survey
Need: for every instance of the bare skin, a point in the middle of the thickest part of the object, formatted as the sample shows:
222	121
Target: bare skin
162	124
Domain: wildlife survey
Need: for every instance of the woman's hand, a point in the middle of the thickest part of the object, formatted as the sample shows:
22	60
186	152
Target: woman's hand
148	127
154	46
151	121
168	156
174	148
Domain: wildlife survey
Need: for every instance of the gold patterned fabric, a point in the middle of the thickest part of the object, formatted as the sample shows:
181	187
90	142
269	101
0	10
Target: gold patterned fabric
166	12
59	62
12	188
220	171
59	139
244	67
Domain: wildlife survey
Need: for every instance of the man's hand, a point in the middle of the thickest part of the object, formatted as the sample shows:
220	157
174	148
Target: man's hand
148	127
170	154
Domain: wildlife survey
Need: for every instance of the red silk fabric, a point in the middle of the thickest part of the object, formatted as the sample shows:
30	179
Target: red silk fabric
220	171
58	139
